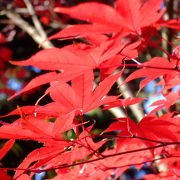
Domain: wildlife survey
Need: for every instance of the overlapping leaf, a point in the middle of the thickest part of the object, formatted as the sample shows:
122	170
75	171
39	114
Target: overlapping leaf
57	153
171	98
124	102
75	60
128	16
150	127
153	69
80	95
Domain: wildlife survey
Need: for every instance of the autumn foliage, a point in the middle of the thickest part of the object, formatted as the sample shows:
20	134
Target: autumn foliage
122	41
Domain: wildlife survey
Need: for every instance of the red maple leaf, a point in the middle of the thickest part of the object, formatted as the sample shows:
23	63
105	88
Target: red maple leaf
150	127
128	16
155	68
172	23
79	96
123	102
75	60
171	98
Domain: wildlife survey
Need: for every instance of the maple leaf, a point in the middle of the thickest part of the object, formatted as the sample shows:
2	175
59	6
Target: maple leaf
22	129
44	154
120	159
128	16
150	127
56	153
84	30
153	69
79	96
172	23
169	81
123	102
82	148
66	58
64	123
30	128
171	98
79	56
138	14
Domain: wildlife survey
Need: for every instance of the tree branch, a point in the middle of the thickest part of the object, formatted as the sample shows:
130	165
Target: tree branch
126	92
92	160
35	19
21	23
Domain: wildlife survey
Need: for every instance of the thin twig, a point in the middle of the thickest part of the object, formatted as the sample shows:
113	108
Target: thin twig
136	164
93	160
